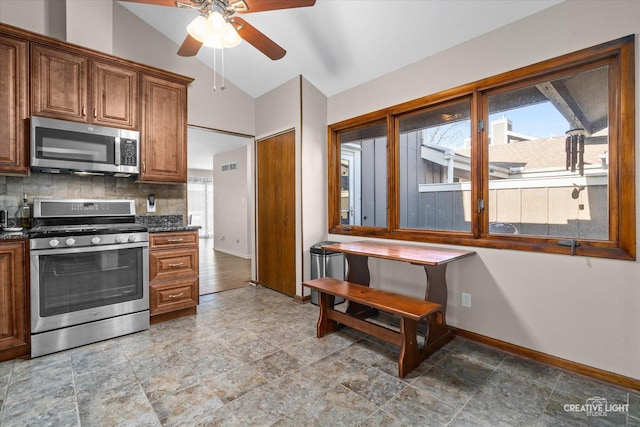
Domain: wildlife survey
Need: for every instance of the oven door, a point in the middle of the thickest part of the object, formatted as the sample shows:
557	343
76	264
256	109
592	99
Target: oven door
72	286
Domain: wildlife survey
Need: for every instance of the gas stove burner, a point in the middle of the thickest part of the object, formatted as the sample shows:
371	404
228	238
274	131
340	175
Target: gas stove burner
75	218
84	229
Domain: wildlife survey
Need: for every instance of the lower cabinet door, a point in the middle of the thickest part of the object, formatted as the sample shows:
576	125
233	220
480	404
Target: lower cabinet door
173	264
14	334
174	295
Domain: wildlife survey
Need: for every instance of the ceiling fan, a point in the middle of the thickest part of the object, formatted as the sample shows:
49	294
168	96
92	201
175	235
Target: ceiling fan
218	26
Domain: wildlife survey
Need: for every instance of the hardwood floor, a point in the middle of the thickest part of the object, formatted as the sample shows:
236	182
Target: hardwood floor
220	271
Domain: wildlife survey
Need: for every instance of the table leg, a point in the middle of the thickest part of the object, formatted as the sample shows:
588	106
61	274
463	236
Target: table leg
358	272
438	334
436	284
358	269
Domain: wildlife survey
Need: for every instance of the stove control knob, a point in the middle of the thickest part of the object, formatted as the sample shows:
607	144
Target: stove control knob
54	243
133	237
95	240
121	239
70	241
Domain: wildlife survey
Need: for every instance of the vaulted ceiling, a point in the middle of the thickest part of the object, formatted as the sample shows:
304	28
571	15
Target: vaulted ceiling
339	44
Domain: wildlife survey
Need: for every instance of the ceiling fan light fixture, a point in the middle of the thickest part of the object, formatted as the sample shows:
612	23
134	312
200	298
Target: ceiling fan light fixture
231	38
213	41
216	24
198	28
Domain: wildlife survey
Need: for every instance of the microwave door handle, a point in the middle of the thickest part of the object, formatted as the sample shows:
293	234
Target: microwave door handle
117	153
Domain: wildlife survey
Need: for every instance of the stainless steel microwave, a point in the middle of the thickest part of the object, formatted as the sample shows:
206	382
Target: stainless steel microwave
59	146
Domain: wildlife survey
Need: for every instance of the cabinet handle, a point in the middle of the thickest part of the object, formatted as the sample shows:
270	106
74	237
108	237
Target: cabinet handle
175	240
180	264
95	112
181	294
84	110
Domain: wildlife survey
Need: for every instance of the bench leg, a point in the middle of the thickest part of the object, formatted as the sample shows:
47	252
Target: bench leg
438	334
325	325
409	350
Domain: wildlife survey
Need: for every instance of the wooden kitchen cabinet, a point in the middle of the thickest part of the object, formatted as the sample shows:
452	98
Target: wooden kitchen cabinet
68	85
115	95
163	131
174	289
14	106
14	326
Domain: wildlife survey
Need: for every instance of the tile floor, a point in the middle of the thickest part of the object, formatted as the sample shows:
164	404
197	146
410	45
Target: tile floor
250	357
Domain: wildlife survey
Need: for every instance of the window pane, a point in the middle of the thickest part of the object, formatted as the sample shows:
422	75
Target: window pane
435	162
548	158
363	176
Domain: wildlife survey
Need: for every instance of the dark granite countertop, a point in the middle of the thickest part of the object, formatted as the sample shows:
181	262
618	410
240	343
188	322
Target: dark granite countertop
155	224
170	228
165	223
14	235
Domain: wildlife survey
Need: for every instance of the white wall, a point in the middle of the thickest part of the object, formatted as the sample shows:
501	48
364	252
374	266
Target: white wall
576	308
314	173
90	23
231	204
278	111
34	18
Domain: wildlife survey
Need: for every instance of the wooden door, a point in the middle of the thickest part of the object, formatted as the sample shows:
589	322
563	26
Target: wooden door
276	230
163	131
14	336
14	148
114	96
59	84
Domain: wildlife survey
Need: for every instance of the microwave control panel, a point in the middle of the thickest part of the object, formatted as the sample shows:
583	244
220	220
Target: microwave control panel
128	152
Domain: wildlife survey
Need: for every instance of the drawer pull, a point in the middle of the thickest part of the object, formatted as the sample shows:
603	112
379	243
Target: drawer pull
181	294
178	265
175	240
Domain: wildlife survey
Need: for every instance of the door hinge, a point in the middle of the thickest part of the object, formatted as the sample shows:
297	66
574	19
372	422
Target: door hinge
481	125
480	205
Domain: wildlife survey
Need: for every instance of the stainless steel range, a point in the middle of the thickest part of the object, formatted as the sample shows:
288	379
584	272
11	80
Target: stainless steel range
89	273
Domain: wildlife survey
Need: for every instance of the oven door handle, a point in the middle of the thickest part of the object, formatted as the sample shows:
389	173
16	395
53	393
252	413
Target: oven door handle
73	250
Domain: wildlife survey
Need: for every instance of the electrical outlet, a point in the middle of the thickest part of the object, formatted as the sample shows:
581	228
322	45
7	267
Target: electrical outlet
151	208
466	300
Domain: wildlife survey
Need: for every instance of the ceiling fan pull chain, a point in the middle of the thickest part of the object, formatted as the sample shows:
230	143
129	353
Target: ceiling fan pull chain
215	72
223	87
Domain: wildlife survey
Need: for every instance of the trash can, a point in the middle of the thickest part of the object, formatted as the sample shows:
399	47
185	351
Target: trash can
326	264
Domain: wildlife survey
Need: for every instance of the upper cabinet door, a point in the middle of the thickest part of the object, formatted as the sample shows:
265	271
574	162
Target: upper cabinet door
114	96
14	111
59	83
163	132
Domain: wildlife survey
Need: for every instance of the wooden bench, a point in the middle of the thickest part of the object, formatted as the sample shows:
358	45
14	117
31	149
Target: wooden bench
409	310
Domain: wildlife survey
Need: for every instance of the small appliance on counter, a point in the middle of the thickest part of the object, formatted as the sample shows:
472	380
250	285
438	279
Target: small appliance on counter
4	219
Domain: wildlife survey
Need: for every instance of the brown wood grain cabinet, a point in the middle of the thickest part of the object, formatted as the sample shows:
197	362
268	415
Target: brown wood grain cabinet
115	95
14	106
173	274
14	325
68	85
163	133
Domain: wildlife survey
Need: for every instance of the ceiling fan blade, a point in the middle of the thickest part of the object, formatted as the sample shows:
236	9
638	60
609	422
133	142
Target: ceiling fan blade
190	47
170	3
258	40
264	5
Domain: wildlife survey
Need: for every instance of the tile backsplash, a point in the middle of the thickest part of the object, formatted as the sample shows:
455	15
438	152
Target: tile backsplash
170	199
